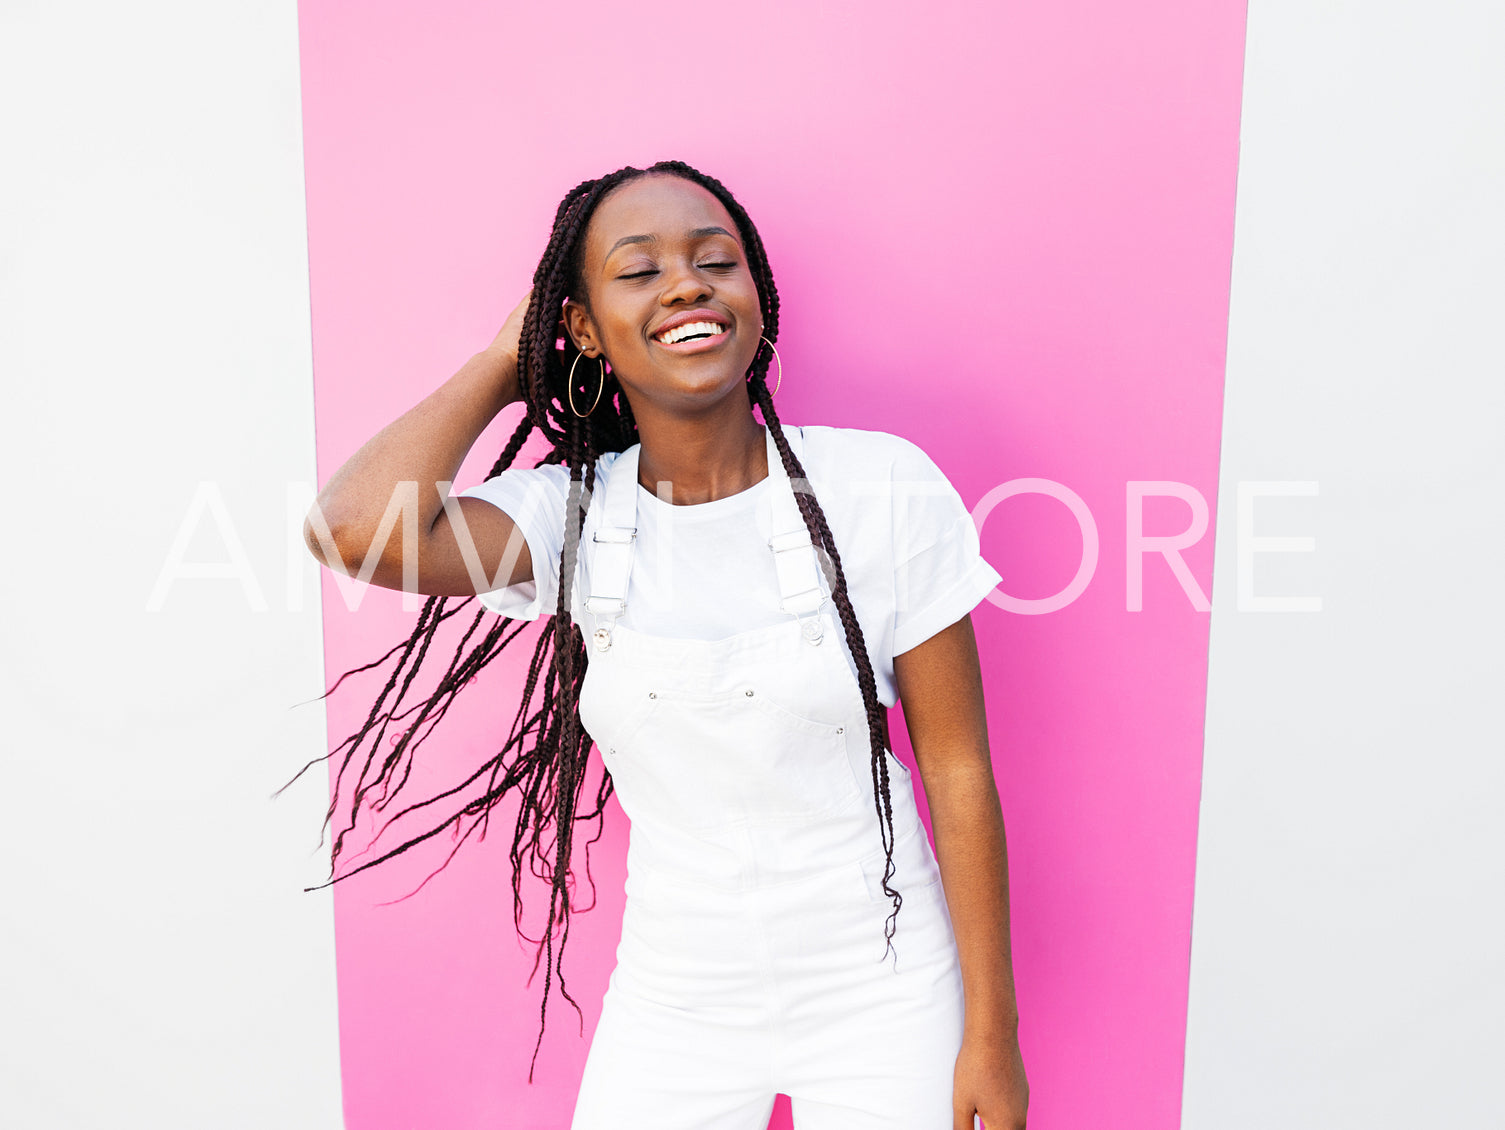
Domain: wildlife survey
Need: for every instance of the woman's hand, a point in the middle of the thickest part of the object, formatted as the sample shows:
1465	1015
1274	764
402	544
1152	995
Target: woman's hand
350	527
504	346
990	1082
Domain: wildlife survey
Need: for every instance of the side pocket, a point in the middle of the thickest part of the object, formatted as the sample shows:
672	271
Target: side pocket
922	887
895	766
610	716
917	874
619	735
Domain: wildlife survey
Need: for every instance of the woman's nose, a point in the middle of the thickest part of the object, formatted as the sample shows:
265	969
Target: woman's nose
685	284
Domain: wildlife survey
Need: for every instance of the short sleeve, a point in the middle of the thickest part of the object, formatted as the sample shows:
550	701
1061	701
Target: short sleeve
535	499
940	573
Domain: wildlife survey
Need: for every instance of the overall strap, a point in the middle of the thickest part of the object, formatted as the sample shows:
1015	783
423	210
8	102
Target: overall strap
800	591
611	548
799	575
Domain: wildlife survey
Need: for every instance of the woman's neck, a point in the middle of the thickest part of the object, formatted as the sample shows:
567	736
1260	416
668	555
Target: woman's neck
702	458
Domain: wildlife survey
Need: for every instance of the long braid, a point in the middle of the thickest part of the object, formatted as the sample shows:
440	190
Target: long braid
877	722
543	760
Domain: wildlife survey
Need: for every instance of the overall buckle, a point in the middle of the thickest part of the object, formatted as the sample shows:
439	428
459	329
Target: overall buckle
607	609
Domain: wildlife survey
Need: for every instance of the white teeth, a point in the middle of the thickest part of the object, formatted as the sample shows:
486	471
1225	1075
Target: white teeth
689	329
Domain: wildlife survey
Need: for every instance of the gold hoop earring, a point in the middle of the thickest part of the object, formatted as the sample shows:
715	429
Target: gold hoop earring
599	388
780	360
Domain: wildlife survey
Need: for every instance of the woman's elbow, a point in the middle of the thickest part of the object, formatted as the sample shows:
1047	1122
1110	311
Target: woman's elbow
329	536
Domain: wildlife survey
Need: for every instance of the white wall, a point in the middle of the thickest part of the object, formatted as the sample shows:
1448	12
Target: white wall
1347	938
161	966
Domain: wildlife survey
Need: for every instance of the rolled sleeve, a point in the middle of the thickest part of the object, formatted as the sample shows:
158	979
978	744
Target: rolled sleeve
941	574
940	585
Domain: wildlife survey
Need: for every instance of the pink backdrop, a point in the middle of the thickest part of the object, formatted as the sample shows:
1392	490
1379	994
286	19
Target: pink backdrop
1001	231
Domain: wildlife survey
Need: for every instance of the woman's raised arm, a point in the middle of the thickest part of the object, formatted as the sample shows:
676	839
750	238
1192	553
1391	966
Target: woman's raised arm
382	516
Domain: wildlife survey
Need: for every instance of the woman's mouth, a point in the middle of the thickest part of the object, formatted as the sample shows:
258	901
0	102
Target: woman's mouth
692	336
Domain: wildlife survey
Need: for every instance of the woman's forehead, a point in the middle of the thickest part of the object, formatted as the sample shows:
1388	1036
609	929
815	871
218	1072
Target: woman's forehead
662	206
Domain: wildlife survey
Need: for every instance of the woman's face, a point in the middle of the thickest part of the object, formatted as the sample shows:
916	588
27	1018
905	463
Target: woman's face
671	301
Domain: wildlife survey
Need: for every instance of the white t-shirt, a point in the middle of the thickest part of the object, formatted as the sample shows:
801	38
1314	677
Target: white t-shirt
908	548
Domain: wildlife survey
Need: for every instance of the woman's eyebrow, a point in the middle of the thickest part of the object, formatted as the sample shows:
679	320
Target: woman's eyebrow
631	239
697	233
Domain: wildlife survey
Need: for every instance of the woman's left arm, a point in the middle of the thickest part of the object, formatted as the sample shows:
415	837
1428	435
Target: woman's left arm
940	685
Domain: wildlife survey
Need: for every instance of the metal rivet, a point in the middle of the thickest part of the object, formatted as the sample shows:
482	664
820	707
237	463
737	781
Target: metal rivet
748	693
652	694
841	729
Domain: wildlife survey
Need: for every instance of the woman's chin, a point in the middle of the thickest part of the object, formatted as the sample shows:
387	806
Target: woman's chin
699	392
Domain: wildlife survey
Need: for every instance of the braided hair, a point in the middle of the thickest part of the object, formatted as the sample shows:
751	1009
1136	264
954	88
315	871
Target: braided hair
543	760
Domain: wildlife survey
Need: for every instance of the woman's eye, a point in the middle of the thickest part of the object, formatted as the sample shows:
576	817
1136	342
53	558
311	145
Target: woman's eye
639	274
722	266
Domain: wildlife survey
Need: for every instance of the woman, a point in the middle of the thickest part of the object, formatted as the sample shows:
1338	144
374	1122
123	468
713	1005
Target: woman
735	606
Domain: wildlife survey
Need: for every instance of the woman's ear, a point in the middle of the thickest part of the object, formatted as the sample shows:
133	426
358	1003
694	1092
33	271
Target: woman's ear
578	324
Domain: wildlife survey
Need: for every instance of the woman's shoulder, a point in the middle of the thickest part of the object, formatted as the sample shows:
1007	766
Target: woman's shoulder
551	476
863	453
523	491
554	475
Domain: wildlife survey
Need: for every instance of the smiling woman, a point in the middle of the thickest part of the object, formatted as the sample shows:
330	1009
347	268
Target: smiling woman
755	597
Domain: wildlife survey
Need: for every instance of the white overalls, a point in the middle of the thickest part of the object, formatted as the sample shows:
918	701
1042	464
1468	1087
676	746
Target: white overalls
752	953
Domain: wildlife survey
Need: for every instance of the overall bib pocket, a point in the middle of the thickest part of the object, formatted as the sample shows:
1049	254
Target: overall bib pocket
705	762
